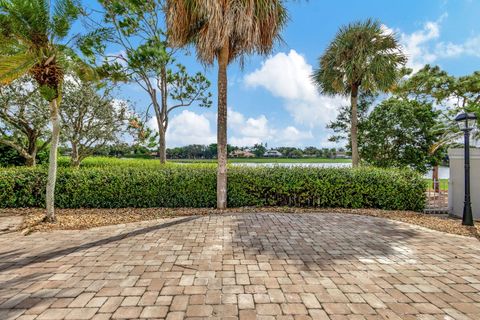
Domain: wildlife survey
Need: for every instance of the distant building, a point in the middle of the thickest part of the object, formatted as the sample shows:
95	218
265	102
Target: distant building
342	155
272	154
242	154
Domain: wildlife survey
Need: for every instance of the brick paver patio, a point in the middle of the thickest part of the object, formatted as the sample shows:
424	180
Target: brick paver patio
245	266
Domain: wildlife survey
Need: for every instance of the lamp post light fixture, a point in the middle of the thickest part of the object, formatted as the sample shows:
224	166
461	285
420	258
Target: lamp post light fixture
466	122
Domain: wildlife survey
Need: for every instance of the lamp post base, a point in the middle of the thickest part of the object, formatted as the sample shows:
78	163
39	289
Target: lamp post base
467	219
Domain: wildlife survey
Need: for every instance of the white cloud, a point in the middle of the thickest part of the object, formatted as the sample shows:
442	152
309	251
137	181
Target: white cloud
387	30
470	47
423	46
315	113
291	136
288	76
186	128
416	45
189	127
249	131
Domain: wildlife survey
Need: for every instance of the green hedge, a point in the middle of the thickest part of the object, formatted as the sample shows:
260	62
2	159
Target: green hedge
195	186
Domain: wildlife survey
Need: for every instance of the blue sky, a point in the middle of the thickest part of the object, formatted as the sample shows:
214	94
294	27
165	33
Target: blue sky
272	99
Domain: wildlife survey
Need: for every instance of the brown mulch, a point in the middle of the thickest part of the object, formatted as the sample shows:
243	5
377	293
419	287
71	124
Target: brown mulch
77	219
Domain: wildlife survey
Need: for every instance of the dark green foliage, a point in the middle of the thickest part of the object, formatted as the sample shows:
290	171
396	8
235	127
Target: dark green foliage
400	133
195	186
452	94
259	149
290	152
23	187
322	187
10	157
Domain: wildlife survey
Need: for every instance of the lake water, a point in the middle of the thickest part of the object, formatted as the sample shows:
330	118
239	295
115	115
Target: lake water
443	172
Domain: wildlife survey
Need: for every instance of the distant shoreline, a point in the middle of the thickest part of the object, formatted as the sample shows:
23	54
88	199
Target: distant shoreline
265	160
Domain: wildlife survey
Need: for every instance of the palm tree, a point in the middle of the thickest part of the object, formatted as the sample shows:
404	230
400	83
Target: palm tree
224	30
33	41
362	56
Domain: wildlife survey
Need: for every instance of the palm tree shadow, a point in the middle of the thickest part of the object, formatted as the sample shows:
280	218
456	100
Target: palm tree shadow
10	263
7	255
318	241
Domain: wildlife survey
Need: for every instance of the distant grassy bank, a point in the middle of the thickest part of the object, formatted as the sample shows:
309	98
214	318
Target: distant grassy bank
140	162
265	160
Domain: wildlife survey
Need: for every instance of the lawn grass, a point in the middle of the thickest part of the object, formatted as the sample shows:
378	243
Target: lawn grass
111	162
140	162
443	184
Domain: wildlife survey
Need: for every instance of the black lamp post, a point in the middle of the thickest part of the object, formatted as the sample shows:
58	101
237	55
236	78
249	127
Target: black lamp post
466	123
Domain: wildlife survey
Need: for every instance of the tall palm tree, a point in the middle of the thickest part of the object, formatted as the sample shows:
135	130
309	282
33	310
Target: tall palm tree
224	30
33	40
363	56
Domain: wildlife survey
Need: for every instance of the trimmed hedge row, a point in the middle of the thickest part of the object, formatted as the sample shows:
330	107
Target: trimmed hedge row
195	186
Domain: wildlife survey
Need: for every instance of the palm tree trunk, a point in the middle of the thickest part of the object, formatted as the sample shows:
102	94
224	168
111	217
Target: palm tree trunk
52	165
222	128
354	126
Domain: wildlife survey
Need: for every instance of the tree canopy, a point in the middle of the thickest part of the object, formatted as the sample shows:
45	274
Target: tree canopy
362	56
145	58
400	133
34	40
24	116
450	94
91	118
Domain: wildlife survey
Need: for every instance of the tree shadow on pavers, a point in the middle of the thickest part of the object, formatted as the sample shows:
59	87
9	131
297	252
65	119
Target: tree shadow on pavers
321	241
15	285
23	280
7	255
42	257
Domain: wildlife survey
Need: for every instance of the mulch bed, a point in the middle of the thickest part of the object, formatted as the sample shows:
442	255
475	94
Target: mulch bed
77	219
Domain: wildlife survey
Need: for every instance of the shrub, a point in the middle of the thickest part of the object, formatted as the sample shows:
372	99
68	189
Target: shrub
195	186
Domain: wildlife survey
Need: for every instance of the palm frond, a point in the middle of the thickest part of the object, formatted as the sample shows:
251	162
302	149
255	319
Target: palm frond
28	20
29	32
15	66
361	54
94	42
446	139
71	63
249	26
65	12
9	46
